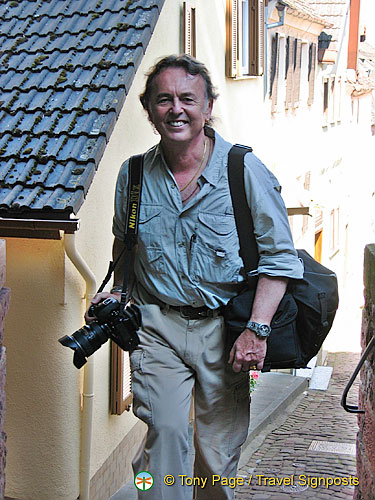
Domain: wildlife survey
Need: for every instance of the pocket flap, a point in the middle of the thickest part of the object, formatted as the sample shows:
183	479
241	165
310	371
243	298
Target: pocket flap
220	224
148	212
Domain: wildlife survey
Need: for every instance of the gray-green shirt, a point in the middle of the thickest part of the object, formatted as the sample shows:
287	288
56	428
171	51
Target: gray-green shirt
189	255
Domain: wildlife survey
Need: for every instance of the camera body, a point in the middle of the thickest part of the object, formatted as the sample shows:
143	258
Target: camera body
111	323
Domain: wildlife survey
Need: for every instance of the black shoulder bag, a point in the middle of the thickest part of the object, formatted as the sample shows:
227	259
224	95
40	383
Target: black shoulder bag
307	310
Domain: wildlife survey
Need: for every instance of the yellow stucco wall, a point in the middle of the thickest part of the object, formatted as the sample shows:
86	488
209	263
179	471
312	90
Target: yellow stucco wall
42	407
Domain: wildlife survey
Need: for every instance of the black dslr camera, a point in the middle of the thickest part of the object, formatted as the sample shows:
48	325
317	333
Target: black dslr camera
112	323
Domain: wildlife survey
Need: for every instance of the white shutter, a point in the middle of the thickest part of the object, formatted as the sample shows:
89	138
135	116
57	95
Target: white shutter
232	39
189	29
257	38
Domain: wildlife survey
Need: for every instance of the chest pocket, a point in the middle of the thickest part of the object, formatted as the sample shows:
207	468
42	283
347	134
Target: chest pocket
217	257
149	238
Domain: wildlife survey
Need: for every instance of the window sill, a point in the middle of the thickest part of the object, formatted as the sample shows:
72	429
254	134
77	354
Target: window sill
243	77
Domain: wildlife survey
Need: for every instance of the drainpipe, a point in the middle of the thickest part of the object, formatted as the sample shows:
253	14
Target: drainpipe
88	375
281	12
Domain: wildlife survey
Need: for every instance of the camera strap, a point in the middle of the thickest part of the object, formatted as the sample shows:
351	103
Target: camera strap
135	175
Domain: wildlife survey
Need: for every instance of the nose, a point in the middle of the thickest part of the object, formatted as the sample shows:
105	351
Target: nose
176	106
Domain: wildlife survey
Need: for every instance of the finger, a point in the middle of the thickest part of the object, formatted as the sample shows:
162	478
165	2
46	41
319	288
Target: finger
88	318
260	364
236	367
231	355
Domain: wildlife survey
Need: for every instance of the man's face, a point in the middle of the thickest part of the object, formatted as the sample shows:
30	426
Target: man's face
178	105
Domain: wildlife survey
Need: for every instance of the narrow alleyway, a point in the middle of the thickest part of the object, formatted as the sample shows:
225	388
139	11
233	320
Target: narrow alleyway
294	458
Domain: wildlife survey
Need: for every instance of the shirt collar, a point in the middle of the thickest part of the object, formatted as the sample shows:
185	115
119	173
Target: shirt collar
219	158
218	161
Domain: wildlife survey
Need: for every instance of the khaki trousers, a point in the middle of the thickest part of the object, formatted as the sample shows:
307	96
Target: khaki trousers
174	356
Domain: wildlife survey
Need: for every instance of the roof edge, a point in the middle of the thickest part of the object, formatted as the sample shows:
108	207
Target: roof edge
37	228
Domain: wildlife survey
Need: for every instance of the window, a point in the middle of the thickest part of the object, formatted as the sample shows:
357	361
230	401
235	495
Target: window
279	62
304	80
245	38
331	100
292	72
189	29
334	231
311	72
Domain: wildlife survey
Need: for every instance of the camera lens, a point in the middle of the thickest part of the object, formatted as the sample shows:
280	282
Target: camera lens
85	342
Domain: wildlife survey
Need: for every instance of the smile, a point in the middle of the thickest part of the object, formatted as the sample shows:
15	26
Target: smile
176	124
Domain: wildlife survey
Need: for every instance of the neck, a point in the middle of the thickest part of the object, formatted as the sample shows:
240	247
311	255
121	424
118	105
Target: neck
183	157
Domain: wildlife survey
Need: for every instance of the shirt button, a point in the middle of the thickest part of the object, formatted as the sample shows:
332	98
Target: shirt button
173	186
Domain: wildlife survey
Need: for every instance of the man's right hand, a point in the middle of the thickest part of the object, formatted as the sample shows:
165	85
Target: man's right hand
99	297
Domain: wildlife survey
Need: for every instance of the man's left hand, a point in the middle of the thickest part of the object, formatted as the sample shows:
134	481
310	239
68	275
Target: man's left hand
248	350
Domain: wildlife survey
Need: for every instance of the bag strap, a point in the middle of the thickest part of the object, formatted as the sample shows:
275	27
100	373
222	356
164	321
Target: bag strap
135	175
244	220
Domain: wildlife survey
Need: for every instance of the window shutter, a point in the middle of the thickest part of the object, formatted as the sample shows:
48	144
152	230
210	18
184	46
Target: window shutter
312	65
256	49
189	29
274	71
289	67
297	73
232	40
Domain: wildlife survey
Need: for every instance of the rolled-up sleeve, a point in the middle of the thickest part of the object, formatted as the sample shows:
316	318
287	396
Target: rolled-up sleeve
118	225
277	255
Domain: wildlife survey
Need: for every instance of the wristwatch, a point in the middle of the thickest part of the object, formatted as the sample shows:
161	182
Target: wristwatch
261	329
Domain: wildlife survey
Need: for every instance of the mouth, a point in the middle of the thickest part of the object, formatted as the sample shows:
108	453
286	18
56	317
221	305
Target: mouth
176	123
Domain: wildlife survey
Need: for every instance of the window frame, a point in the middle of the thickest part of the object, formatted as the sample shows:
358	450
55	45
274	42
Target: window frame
235	67
121	396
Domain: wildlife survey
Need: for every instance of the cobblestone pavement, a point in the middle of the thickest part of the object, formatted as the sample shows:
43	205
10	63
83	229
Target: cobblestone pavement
283	466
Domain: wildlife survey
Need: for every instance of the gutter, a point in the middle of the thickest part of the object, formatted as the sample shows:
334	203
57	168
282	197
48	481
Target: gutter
281	11
37	228
88	374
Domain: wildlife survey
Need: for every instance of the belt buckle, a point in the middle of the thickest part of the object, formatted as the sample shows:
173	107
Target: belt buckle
202	314
188	312
183	313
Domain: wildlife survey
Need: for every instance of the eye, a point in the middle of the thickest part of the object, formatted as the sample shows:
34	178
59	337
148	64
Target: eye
163	100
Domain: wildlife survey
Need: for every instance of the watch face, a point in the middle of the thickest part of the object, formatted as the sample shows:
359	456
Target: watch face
262	330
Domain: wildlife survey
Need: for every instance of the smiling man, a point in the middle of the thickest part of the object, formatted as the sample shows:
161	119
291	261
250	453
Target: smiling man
186	269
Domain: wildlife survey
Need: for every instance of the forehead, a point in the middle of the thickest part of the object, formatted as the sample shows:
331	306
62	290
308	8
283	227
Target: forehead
177	80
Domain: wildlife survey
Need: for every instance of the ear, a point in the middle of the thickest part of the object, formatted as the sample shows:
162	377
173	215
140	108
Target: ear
208	111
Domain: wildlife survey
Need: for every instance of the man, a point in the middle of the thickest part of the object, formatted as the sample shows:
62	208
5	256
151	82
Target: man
187	267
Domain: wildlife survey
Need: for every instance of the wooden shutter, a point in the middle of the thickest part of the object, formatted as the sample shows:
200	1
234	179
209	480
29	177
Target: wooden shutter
189	29
297	73
289	71
256	49
120	393
274	71
311	76
231	59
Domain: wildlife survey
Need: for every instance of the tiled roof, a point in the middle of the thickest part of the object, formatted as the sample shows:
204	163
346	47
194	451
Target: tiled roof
334	12
66	67
303	9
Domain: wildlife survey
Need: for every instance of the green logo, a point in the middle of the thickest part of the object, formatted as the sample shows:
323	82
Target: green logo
143	481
